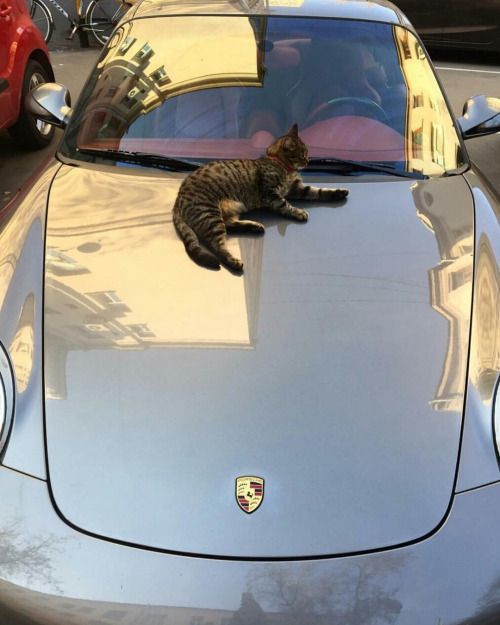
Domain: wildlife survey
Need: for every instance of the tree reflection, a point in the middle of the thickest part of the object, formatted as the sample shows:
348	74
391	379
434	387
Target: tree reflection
355	594
488	612
28	559
249	613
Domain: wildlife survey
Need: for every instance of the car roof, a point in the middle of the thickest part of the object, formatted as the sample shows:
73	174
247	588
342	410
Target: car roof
369	10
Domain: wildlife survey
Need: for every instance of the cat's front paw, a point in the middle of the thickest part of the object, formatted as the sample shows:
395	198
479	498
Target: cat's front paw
257	228
301	215
334	194
235	264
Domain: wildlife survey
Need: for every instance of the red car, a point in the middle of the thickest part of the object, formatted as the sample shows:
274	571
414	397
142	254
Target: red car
24	63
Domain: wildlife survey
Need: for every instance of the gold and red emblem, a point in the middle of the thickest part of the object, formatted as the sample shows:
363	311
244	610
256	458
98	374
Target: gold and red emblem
249	492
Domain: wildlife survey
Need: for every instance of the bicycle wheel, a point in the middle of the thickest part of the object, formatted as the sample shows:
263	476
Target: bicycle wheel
102	16
42	18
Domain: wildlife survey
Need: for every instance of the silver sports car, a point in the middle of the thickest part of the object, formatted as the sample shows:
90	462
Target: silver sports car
312	442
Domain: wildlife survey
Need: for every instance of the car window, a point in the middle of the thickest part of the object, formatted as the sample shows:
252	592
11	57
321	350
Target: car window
212	87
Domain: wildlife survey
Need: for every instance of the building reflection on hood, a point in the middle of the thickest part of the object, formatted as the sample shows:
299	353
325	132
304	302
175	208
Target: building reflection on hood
117	275
450	285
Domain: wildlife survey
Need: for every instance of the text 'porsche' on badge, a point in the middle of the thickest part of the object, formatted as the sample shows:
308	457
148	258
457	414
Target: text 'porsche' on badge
249	492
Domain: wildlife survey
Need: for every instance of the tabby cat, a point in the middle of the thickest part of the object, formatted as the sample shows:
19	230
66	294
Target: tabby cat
212	198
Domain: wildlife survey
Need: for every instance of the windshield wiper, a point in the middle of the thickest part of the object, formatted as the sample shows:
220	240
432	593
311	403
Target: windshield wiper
145	159
341	166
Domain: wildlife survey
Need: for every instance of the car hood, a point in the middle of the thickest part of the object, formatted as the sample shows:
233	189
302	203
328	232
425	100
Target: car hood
333	368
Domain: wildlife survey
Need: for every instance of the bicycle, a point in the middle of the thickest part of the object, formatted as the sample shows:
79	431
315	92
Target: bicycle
100	19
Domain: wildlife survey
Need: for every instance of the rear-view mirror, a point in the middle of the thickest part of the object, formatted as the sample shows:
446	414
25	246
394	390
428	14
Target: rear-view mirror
51	103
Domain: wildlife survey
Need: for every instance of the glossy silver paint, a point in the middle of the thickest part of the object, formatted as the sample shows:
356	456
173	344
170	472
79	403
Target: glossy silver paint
21	312
54	574
57	575
478	462
334	368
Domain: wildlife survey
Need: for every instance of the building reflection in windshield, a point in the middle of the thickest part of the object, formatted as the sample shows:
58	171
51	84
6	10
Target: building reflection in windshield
137	74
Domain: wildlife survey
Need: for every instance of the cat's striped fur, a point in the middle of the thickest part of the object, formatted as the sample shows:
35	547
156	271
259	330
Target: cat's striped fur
212	198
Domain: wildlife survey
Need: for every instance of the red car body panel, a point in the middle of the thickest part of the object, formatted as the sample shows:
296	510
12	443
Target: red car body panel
20	40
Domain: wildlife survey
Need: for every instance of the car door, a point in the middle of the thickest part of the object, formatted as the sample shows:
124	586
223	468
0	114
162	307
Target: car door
427	16
8	21
475	24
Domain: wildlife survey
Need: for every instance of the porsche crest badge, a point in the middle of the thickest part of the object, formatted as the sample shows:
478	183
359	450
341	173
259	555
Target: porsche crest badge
249	492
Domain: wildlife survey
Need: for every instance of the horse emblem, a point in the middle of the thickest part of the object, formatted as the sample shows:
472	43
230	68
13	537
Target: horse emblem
249	492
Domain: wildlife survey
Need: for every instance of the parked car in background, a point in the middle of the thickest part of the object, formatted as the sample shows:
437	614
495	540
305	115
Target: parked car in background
24	64
463	24
313	442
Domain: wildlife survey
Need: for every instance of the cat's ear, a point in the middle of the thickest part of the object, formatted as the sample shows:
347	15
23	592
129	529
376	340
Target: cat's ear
294	131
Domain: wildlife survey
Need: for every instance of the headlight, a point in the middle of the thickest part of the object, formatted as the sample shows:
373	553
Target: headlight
6	398
496	419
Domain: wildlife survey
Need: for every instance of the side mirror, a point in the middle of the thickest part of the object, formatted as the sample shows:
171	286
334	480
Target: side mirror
50	102
481	116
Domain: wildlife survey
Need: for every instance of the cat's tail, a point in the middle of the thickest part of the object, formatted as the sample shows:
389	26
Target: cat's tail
192	244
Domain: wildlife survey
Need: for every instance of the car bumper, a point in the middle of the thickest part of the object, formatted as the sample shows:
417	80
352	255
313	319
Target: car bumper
53	574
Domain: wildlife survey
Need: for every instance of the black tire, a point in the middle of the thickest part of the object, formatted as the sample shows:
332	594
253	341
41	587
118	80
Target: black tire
29	131
102	16
42	18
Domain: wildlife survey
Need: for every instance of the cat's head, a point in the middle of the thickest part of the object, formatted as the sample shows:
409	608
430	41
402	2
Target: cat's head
290	148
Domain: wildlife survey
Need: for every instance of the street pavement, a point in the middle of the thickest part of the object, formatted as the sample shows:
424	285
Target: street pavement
62	27
460	78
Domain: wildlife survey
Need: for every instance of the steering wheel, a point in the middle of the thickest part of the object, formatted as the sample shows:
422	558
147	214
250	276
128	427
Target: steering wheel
366	105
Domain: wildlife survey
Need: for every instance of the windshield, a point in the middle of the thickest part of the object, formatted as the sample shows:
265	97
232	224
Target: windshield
198	88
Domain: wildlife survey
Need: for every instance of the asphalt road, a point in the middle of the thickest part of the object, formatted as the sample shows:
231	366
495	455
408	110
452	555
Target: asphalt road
460	78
